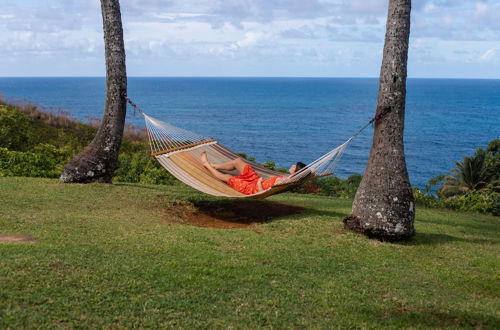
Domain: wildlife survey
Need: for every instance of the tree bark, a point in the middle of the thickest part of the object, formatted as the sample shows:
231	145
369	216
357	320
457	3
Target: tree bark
383	207
98	161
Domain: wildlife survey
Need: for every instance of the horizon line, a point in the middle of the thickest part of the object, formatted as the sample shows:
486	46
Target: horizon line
256	77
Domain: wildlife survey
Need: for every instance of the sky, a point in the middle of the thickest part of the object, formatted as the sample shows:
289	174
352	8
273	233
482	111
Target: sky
303	38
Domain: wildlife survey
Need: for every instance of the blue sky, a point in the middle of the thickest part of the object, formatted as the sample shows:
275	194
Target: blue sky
332	38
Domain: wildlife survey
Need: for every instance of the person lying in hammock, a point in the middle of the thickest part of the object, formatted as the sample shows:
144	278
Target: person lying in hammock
247	182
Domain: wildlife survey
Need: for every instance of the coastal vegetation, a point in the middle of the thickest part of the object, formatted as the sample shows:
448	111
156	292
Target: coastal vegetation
37	142
474	185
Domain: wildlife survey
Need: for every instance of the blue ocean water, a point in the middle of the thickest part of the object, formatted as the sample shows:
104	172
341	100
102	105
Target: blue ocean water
292	119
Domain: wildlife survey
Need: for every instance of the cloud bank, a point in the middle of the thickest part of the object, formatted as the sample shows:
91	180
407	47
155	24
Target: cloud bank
449	38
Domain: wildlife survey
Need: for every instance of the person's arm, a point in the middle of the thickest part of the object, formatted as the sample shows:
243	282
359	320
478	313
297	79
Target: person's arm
280	179
259	184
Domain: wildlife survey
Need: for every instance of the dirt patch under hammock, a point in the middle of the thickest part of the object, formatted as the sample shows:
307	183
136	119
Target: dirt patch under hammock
229	214
16	238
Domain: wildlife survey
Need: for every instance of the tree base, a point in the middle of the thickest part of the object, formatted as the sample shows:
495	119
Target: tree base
82	170
377	231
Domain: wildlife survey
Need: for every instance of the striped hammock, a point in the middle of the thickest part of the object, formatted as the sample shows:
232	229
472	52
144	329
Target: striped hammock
178	151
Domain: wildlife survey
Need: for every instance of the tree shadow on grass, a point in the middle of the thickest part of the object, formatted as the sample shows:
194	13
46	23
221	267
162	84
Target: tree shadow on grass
230	213
207	211
438	239
329	214
489	225
247	211
140	186
429	317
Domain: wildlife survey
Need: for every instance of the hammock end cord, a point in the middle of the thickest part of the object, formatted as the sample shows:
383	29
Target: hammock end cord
381	114
124	94
378	116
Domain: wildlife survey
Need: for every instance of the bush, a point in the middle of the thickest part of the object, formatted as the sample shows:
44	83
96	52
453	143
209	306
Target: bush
38	144
353	181
56	155
31	164
138	168
424	199
270	165
487	202
14	128
474	185
483	202
332	186
244	155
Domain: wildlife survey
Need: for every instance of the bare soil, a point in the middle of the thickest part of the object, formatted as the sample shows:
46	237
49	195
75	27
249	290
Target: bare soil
16	238
230	214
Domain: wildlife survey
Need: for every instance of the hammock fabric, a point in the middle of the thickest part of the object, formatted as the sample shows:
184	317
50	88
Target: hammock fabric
178	151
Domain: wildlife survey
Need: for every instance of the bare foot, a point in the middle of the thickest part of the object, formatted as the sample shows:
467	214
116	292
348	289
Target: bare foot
204	159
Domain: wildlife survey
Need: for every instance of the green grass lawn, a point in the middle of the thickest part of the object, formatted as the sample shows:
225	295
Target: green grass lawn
117	256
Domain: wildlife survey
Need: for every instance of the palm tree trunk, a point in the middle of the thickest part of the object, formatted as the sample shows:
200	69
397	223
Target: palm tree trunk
383	207
98	161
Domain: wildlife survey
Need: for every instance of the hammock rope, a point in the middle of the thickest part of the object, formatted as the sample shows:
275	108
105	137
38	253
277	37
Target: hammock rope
178	151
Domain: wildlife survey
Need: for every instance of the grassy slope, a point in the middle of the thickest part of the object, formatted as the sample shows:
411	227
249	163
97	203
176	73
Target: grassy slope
107	256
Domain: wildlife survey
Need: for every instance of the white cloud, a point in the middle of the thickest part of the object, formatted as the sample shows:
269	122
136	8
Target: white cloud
251	39
429	7
490	55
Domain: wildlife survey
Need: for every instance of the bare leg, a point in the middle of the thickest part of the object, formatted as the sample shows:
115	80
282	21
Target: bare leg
227	166
219	175
235	164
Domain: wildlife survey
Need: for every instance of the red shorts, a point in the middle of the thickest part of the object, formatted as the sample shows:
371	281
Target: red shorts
247	182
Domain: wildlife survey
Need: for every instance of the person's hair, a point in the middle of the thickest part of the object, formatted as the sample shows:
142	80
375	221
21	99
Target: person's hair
299	166
304	171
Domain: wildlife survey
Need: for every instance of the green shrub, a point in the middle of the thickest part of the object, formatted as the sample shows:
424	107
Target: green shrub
14	129
139	168
244	155
155	174
424	199
38	144
130	167
480	172
332	186
473	186
353	182
487	202
57	155
270	165
31	164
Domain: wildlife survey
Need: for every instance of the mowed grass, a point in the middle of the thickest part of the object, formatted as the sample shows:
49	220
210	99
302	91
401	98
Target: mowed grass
111	256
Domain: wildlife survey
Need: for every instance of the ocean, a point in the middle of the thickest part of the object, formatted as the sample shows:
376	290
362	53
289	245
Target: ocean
295	119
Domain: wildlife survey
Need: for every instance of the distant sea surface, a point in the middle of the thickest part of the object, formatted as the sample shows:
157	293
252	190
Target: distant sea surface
295	119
